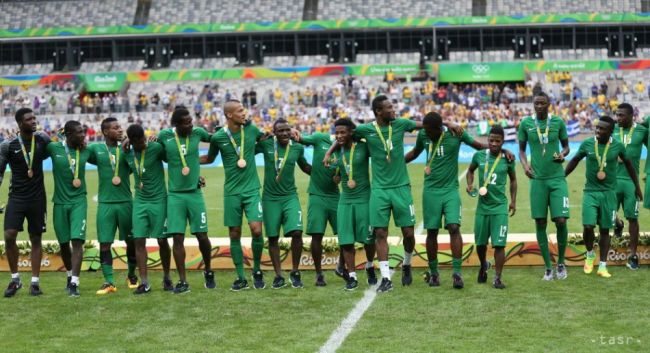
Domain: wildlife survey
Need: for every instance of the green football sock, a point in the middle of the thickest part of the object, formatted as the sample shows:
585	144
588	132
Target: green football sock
237	257
433	266
258	248
456	264
562	235
107	271
542	240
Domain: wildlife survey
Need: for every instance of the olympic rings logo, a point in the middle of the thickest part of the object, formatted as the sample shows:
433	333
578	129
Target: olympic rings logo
480	69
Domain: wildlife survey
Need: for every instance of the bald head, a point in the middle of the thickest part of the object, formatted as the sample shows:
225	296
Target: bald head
234	112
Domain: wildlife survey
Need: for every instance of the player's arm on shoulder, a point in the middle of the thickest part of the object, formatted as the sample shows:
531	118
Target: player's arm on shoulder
213	151
328	154
512	174
469	177
417	149
573	163
92	153
204	135
523	159
303	164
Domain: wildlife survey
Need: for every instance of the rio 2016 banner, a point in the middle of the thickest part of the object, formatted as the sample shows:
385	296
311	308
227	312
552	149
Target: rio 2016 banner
517	253
320	25
446	72
114	81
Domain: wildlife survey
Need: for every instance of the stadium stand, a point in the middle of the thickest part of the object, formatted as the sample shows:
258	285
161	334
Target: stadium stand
208	11
343	9
517	7
32	14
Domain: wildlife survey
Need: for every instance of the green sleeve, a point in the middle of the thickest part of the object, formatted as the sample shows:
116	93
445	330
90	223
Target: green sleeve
563	133
521	133
646	122
582	153
360	132
621	151
259	147
213	151
204	136
301	158
92	156
419	143
466	138
409	125
49	148
308	140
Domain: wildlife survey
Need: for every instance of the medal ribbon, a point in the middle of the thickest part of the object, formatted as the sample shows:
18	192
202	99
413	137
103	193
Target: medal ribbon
387	148
486	175
27	156
349	166
238	150
432	153
278	170
601	161
74	169
626	139
115	163
139	166
180	151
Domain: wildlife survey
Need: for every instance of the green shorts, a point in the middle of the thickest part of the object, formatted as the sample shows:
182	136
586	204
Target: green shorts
493	227
150	219
436	203
234	207
70	221
320	210
599	208
183	207
626	197
549	193
110	217
354	223
282	213
399	200
646	196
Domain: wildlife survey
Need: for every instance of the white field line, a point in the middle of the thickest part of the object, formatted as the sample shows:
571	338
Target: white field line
339	335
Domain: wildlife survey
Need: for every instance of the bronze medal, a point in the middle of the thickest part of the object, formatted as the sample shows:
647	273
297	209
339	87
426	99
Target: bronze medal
601	175
185	171
30	173
483	191
141	185
427	170
352	184
241	163
76	182
277	179
116	180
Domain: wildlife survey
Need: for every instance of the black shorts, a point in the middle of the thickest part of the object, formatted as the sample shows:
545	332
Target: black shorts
35	212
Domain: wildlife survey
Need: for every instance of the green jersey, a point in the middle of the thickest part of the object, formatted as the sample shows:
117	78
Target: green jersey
107	161
359	167
148	171
286	185
189	146
321	180
496	200
239	181
64	165
588	149
444	166
633	140
387	174
543	145
646	124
